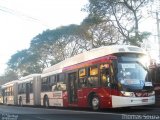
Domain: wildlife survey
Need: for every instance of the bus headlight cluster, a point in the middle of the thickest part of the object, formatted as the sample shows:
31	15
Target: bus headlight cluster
128	94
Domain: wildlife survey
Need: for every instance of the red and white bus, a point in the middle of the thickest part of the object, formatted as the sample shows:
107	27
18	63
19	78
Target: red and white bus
105	77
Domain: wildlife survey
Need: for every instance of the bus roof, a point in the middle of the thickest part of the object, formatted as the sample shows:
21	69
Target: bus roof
28	78
91	54
9	83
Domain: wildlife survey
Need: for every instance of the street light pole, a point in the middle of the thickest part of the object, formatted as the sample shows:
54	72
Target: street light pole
158	33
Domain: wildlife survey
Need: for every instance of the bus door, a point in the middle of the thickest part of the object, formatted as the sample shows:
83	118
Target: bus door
27	92
72	87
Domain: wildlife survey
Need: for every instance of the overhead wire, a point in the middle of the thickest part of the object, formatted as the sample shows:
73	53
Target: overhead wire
21	15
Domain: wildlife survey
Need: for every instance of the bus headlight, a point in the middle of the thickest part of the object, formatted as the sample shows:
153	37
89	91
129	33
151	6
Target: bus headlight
128	94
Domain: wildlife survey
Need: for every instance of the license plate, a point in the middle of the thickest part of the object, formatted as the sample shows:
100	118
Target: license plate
144	100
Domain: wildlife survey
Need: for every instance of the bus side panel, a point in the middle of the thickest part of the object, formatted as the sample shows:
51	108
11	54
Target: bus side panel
9	100
55	98
82	97
23	96
65	99
82	101
103	94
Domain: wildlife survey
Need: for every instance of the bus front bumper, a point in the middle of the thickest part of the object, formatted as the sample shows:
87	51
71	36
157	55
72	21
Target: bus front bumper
120	101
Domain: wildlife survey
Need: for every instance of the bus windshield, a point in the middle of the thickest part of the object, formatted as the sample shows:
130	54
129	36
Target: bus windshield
132	73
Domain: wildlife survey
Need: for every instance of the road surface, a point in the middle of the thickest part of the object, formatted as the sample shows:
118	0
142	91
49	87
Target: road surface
30	113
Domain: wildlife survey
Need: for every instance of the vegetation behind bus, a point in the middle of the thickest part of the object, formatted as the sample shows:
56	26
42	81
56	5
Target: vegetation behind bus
155	74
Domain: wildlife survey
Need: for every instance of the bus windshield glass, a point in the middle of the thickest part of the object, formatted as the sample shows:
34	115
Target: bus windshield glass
132	72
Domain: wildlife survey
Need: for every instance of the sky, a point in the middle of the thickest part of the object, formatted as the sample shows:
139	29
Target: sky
22	20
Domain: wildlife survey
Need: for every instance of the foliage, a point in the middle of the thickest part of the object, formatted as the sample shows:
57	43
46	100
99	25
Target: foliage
24	62
125	16
9	75
48	48
99	32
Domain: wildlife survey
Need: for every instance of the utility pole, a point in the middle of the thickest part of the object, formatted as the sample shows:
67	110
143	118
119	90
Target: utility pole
158	33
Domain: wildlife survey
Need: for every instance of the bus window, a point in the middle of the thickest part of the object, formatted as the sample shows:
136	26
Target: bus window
82	78
112	73
52	82
23	87
61	85
11	91
93	76
61	78
31	87
20	89
104	74
45	84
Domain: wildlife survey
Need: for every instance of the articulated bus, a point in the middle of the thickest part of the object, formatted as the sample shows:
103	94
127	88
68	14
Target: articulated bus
105	77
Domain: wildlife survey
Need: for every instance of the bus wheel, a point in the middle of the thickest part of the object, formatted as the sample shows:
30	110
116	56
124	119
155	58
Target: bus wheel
95	103
46	102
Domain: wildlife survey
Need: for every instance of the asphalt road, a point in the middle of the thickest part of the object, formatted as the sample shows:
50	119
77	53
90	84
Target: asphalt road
30	113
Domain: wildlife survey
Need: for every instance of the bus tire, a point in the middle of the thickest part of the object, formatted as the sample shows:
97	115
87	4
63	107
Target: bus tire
46	101
95	103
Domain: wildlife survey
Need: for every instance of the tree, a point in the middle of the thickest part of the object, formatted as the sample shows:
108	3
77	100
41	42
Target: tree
66	47
24	62
48	48
125	16
56	45
99	32
8	76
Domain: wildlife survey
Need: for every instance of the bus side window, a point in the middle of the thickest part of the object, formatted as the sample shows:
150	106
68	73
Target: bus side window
82	77
104	75
52	83
31	87
23	88
44	84
93	76
61	85
12	90
112	73
19	89
113	83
